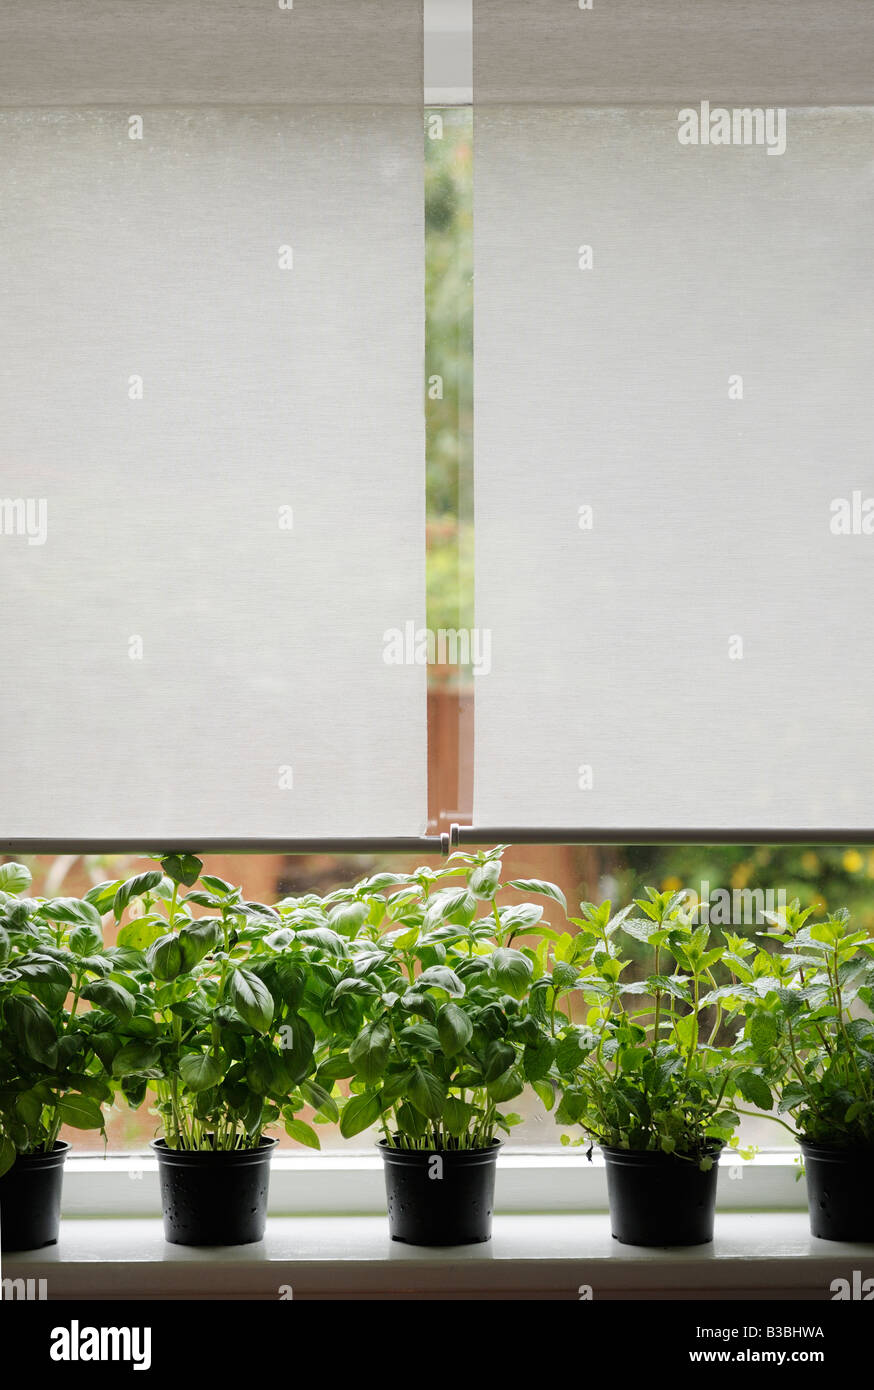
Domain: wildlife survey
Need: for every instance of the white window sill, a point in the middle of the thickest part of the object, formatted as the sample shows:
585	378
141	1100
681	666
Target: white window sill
753	1256
554	1180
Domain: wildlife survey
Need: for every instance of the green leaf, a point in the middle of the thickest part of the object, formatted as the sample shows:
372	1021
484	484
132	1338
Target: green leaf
353	984
28	1106
441	977
498	1057
337	1068
75	911
369	1052
684	1028
564	975
511	1083
523	917
142	932
511	971
571	1052
324	938
182	868
164	957
108	995
14	879
264	1073
763	1031
80	1112
348	918
105	1046
302	1132
135	1058
755	1089
486	879
793	1093
33	1029
454	1029
427	1092
45	970
217	886
537	1059
296	1045
321	1100
421	1035
827	932
200	1071
415	1002
359	1114
286	979
251	999
102	895
541	886
457	1115
456	905
545	1092
85	940
7	1154
134	888
411	1121
198	940
134	1088
644	929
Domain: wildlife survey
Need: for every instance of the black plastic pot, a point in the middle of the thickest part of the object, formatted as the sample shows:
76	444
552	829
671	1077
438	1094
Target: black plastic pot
660	1199
212	1198
440	1196
30	1199
840	1191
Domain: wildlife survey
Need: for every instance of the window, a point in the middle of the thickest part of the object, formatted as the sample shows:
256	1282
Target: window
736	880
733	881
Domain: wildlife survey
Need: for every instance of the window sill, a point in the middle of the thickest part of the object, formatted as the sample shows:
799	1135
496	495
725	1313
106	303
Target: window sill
754	1256
337	1184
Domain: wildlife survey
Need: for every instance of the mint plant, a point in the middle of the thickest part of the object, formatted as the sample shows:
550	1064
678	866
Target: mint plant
646	1069
810	1033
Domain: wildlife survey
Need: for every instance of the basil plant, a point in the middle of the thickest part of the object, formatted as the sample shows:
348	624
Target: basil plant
438	1038
52	959
230	1025
650	1066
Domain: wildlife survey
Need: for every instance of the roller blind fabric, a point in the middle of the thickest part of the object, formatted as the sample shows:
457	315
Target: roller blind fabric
211	255
674	355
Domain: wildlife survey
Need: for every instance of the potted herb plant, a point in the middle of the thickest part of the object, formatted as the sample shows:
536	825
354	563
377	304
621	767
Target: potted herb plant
221	1036
812	1038
644	1076
442	1040
51	959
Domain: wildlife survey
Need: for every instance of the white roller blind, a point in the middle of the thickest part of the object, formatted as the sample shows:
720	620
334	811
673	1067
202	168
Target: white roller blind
629	52
674	418
211	394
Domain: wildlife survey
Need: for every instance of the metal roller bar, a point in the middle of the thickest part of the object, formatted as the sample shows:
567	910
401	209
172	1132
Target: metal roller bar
413	844
473	835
